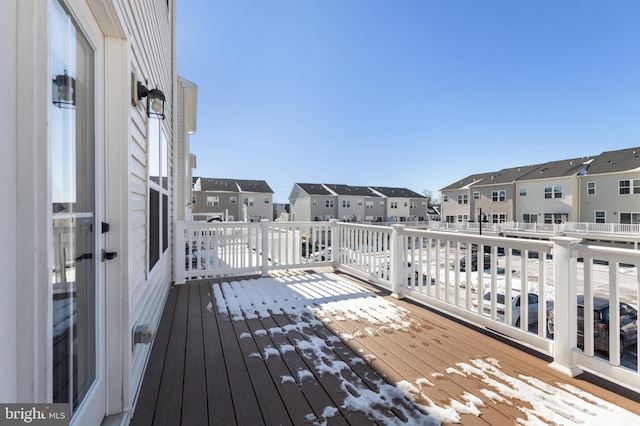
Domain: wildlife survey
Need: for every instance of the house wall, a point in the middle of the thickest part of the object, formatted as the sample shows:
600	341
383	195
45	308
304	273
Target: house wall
262	205
452	208
420	211
489	207
607	197
8	217
378	210
152	44
535	203
319	207
355	210
224	208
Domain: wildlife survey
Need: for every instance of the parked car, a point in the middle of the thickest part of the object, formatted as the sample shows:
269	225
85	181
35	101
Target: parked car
474	262
384	268
515	305
628	324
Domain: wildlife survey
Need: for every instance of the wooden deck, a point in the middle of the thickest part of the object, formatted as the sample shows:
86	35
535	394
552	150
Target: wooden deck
344	362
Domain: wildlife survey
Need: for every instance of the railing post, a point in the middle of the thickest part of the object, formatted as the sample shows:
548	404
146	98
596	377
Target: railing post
565	306
395	262
264	247
335	243
179	260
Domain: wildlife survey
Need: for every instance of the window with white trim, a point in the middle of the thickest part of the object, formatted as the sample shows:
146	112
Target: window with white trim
368	205
476	195
463	199
499	196
523	192
600	216
630	218
158	227
213	201
233	200
552	192
591	188
328	204
626	187
346	204
248	201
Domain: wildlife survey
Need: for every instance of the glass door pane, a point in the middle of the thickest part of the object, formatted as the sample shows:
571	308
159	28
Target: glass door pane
74	239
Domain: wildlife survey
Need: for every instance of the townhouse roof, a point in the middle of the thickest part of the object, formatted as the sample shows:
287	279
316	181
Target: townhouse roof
233	185
508	175
615	161
363	191
314	189
562	168
397	192
468	181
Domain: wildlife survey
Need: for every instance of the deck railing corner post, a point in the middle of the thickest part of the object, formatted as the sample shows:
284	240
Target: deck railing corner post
264	247
565	307
334	243
395	261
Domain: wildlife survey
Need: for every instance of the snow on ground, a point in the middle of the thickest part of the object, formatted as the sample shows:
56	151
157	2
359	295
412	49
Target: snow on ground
308	297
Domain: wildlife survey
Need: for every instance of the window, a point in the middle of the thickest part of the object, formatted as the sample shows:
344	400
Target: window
413	205
476	195
498	218
463	218
552	192
233	200
499	196
406	204
213	201
591	188
381	203
630	218
424	204
248	201
359	202
551	218
523	192
445	198
158	192
601	216
393	205
328	204
463	199
368	204
346	204
266	200
629	187
314	201
530	218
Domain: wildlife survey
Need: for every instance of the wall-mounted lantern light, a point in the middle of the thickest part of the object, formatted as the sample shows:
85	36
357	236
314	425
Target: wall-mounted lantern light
155	100
64	91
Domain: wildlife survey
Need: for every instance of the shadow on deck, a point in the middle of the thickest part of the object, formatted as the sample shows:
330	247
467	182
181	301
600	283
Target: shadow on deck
324	348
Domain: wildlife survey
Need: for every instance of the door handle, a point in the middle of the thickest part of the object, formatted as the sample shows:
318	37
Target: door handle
83	257
108	255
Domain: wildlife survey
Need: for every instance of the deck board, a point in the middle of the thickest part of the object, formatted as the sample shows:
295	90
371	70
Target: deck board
207	367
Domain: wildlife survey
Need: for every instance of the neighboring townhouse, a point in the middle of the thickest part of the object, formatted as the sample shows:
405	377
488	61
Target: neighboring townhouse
610	190
403	204
457	199
232	200
352	201
493	198
312	202
317	202
549	194
93	138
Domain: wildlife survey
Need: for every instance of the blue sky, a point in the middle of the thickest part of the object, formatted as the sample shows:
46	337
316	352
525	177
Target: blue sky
406	93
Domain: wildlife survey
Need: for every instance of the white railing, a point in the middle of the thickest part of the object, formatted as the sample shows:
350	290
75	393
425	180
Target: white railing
447	271
546	228
602	228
